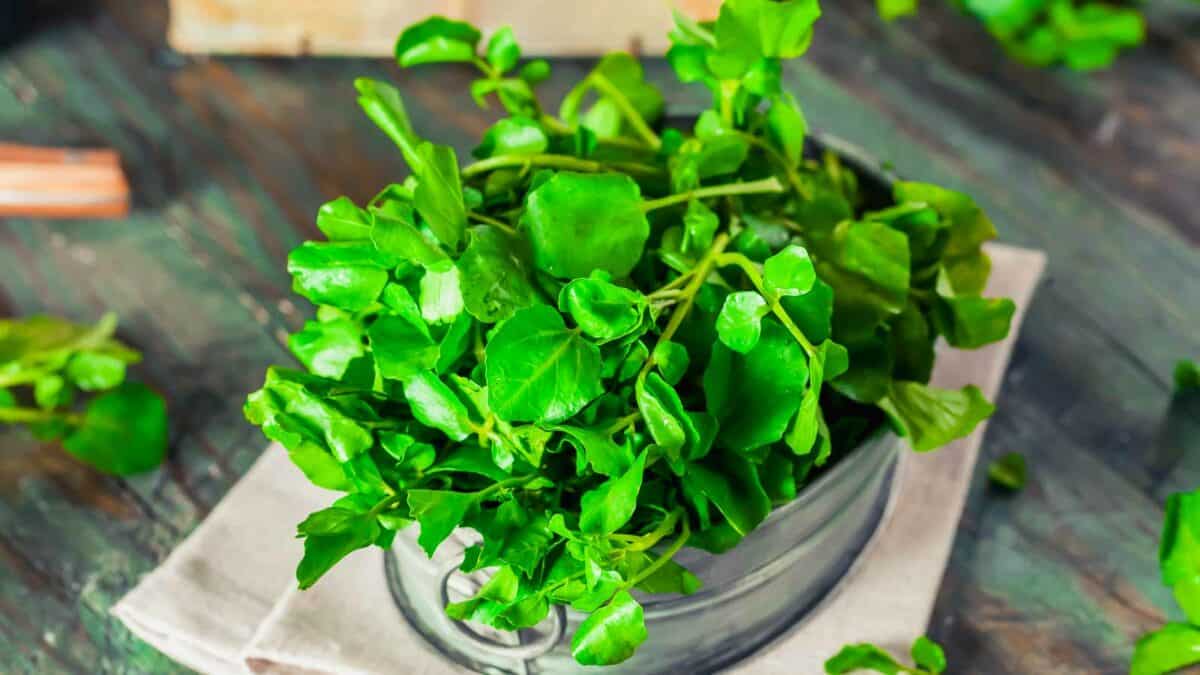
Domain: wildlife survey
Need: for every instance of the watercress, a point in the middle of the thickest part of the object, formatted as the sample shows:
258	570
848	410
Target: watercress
67	382
1177	644
606	338
1081	34
927	655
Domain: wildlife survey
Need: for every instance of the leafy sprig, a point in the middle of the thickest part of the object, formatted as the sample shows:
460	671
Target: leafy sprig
1177	644
605	339
47	368
927	655
1081	34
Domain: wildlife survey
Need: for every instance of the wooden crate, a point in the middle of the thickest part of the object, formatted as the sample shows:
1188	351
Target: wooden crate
369	27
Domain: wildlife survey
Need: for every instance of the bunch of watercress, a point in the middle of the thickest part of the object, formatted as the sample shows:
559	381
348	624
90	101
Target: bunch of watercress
604	340
1081	34
48	365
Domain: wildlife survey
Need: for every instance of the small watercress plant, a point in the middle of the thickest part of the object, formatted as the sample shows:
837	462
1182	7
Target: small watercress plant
927	655
66	382
1080	34
1177	644
605	338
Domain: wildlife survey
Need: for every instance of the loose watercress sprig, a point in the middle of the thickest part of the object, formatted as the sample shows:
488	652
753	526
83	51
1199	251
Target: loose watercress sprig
927	655
605	340
47	365
1081	34
1177	644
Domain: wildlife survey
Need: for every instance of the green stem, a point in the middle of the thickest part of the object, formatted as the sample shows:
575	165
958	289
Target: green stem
793	176
494	222
625	422
515	481
384	505
771	184
630	113
653	567
688	296
648	540
556	162
555	125
751	269
33	415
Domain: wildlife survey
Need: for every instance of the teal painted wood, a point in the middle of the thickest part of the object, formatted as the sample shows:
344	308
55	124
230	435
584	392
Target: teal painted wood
229	159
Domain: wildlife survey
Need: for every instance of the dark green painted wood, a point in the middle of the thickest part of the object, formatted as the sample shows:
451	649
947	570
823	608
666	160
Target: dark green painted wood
229	159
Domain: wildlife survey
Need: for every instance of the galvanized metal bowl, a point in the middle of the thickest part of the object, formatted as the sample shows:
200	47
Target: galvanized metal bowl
751	594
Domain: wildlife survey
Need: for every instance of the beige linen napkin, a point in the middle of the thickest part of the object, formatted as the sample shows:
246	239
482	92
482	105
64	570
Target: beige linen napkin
225	602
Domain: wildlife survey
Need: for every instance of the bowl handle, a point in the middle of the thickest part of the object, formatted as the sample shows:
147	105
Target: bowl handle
542	643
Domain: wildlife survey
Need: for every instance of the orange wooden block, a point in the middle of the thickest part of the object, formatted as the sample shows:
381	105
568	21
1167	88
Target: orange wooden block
61	183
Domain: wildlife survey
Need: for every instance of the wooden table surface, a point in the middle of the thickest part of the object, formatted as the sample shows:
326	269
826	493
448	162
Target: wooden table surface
229	158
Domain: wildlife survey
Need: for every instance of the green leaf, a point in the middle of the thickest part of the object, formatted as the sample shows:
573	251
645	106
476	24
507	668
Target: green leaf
731	483
740	323
436	40
323	551
124	431
789	272
700	223
394	231
401	348
342	220
318	466
503	52
755	395
438	512
611	634
327	348
95	371
932	417
579	223
1174	646
929	655
1008	471
500	281
606	508
863	657
890	10
436	406
441	296
970	322
787	128
1187	376
1179	551
605	456
439	194
673	428
348	276
748	30
867	264
538	370
50	391
601	309
512	136
672	360
383	104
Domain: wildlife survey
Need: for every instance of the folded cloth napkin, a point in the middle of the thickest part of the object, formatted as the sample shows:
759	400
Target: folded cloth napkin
225	601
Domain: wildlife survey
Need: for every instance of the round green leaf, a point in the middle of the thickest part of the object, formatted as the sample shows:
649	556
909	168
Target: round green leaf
580	223
602	309
124	431
436	39
538	370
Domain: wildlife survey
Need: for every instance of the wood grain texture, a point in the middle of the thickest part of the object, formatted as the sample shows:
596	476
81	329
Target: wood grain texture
369	27
229	158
